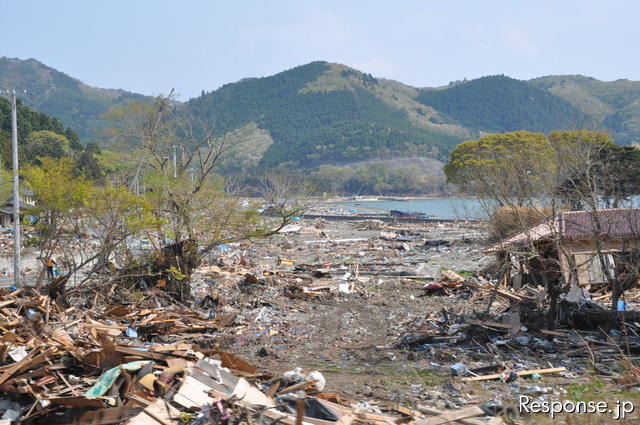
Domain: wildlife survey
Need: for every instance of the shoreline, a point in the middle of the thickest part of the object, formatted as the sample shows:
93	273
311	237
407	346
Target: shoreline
433	208
342	199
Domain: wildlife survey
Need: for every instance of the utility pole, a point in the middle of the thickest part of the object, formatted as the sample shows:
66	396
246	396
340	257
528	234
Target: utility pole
16	194
175	162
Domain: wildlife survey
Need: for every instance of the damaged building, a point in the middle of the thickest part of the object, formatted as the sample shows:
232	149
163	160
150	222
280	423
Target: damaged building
591	246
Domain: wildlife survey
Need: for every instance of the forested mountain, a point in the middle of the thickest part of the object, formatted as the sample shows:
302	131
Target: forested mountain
47	90
319	113
42	135
325	113
615	105
499	103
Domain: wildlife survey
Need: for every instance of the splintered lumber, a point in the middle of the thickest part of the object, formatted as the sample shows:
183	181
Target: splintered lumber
346	419
553	333
146	353
452	276
509	295
300	386
158	412
521	373
76	401
17	366
236	363
272	389
375	418
36	361
405	410
448	417
489	323
6	303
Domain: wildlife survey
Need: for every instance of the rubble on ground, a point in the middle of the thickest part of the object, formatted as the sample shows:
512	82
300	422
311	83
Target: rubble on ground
348	322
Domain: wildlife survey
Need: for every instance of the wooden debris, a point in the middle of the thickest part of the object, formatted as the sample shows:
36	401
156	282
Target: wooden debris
521	373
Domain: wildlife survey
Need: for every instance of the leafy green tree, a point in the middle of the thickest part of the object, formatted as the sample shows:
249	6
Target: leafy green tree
29	122
591	163
331	179
46	144
509	168
74	139
620	173
72	213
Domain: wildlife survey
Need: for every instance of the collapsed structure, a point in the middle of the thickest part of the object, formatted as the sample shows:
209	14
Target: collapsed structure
582	248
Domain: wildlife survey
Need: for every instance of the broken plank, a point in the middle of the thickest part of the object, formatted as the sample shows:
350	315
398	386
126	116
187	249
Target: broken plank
346	420
17	366
300	386
6	303
466	421
76	401
273	388
452	416
146	353
158	412
405	410
554	333
36	361
488	323
521	373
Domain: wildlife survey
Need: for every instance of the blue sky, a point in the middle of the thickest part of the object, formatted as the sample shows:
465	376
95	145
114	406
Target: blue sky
152	46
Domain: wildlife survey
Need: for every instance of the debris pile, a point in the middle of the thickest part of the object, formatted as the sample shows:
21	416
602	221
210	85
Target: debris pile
75	366
399	317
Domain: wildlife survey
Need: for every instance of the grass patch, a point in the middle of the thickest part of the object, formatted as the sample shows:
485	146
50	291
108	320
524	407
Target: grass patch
587	391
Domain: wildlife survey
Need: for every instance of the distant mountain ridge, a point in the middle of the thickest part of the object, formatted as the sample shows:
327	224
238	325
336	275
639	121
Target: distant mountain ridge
319	113
615	105
498	103
330	113
50	91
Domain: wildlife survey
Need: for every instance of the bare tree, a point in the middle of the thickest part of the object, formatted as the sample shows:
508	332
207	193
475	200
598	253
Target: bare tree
178	158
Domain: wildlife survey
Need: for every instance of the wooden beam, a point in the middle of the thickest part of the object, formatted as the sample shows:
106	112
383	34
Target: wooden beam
521	373
452	416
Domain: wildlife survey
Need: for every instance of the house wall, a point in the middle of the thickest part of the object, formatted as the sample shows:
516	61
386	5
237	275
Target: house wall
580	249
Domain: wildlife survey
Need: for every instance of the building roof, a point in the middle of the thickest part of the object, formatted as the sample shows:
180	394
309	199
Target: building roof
617	222
575	225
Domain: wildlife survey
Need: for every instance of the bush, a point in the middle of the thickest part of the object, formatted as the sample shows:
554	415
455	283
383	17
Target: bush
508	221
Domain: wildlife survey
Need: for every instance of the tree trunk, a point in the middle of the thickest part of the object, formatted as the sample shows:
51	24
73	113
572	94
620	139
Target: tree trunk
178	263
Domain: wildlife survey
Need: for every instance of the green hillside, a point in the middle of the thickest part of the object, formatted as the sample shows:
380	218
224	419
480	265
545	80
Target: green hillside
50	91
29	121
314	116
327	113
614	104
499	103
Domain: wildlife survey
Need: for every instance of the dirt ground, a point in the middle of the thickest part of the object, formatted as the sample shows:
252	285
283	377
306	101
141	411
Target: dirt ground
351	338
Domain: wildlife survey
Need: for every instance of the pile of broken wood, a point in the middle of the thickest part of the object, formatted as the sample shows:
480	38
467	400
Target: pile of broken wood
75	366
